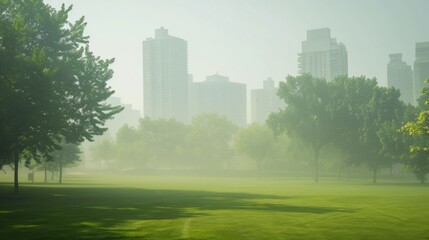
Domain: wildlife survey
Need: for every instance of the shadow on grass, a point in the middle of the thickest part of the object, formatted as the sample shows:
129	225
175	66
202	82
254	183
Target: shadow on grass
94	212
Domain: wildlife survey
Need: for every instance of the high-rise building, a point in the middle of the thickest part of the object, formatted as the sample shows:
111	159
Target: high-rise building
400	76
165	77
264	101
322	56
218	95
421	67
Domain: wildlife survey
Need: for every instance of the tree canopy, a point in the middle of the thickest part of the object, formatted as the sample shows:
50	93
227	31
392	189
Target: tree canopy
355	114
52	86
255	141
308	115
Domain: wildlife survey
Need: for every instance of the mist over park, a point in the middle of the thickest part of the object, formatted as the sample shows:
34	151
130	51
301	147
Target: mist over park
208	119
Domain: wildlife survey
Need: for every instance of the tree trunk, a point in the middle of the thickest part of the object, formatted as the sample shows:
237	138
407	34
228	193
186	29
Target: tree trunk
16	164
374	175
52	175
61	172
46	171
391	170
316	165
350	173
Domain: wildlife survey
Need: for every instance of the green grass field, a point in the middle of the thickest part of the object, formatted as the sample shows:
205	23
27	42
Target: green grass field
120	207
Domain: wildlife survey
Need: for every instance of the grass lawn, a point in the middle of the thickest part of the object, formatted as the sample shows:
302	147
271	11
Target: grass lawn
120	207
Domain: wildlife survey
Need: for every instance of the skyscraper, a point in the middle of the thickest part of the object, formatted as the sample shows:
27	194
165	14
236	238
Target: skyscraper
264	101
421	67
400	76
218	95
165	77
322	56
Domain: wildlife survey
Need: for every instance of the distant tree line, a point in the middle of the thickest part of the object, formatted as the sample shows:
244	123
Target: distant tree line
361	119
349	122
205	143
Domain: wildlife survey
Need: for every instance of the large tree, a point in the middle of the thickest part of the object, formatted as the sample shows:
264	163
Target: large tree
351	96
308	114
368	118
52	85
383	111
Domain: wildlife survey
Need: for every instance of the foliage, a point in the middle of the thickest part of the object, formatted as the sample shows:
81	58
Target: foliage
255	141
418	163
164	138
209	140
53	87
67	156
355	114
103	151
130	149
308	115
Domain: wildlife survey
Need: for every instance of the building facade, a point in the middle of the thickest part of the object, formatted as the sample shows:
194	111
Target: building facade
220	96
165	77
421	67
400	76
264	101
322	56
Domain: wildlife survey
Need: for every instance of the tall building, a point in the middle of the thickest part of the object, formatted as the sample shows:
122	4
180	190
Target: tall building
264	101
218	95
421	67
322	56
400	76
165	77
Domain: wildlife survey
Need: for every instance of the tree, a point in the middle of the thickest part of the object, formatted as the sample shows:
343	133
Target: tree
164	138
103	151
52	86
383	110
209	140
131	149
418	129
368	118
351	96
255	141
307	116
67	156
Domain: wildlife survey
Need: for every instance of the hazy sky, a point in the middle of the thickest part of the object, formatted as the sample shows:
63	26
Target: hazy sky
249	40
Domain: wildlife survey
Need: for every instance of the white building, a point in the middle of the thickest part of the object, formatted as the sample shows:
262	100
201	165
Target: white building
421	67
264	101
165	77
218	95
322	56
400	76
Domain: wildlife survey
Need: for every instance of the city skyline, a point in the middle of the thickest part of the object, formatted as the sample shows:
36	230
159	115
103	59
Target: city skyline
249	40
